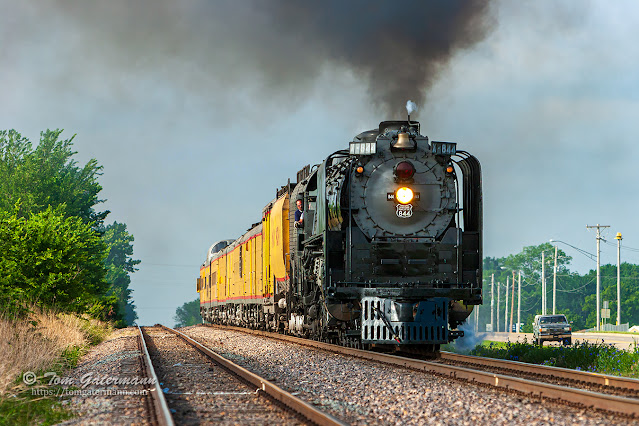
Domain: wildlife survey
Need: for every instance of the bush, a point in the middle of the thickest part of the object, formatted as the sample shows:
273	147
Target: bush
53	259
593	357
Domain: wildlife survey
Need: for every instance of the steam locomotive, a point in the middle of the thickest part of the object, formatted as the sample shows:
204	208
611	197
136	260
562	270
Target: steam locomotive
387	254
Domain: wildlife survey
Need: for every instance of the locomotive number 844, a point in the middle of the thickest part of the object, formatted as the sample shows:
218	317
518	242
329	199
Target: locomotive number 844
386	252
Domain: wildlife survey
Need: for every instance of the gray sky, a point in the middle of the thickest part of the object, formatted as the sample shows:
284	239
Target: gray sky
199	110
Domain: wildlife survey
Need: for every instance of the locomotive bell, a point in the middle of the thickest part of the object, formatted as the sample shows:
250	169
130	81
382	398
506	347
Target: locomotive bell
403	141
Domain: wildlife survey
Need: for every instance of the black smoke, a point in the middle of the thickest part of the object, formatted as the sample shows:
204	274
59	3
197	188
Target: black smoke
399	47
275	48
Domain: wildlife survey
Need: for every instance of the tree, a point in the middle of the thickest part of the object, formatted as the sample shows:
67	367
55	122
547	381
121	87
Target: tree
119	264
52	260
48	176
188	314
529	262
50	226
629	292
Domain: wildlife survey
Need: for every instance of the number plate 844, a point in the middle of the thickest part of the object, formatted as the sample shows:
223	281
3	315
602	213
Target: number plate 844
404	211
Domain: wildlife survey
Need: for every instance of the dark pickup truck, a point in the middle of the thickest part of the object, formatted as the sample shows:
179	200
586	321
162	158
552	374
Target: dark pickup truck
549	328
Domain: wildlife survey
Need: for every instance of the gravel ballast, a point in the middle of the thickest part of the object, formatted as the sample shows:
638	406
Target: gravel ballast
199	391
116	357
354	390
364	392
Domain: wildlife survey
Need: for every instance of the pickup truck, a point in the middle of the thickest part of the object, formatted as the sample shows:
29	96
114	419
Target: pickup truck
549	328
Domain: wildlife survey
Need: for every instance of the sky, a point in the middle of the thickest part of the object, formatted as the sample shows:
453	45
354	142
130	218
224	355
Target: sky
198	111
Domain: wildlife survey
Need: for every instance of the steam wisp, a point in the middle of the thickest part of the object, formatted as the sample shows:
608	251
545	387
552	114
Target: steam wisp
468	342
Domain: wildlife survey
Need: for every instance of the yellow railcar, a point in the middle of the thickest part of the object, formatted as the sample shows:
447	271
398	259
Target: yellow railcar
243	280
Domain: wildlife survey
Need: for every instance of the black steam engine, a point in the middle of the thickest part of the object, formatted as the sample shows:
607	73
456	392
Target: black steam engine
389	253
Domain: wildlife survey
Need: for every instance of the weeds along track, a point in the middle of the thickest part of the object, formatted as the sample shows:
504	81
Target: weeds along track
202	387
590	391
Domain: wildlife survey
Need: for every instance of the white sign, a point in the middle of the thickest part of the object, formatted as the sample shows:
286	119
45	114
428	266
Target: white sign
404	211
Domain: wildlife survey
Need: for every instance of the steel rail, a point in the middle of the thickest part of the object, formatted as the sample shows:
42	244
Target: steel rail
162	412
605	402
300	407
564	373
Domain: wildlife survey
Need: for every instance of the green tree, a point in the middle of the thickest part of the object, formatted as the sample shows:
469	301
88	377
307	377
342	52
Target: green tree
188	314
44	191
119	264
48	176
529	262
52	260
629	293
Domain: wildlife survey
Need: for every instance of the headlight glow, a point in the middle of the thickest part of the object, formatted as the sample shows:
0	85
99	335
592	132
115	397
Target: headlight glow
404	195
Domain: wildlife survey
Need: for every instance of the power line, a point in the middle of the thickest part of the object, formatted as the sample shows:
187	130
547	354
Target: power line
574	290
623	247
582	251
168	264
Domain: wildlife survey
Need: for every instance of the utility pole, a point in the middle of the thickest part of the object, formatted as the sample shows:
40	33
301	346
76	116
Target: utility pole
498	285
543	283
598	270
554	284
519	304
618	238
492	302
512	304
506	306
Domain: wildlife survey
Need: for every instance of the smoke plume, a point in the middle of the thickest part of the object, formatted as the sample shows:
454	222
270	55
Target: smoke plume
399	47
276	50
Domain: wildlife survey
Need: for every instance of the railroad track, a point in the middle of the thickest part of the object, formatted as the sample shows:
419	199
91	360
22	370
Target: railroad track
157	407
614	394
195	385
603	383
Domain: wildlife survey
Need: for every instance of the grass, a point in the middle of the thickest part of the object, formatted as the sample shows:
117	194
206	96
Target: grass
25	409
45	341
593	357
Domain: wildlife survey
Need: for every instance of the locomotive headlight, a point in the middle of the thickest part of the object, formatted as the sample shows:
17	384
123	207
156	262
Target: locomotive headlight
404	195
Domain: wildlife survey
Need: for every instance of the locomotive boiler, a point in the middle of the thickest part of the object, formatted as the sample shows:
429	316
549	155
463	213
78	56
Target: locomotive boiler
388	253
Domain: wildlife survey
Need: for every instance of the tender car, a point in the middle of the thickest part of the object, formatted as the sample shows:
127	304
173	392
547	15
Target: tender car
552	328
